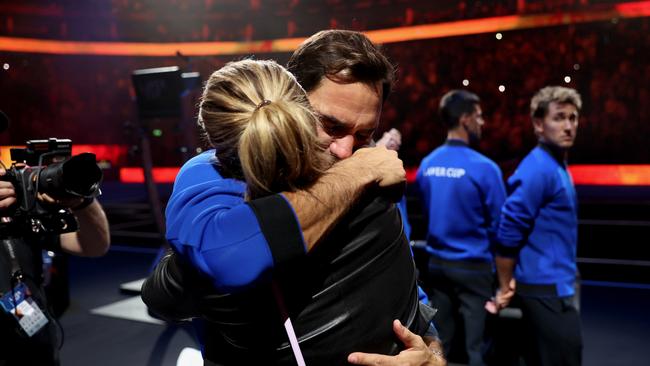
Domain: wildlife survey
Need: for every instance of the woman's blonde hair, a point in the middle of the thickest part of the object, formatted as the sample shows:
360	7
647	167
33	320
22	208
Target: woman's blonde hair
258	119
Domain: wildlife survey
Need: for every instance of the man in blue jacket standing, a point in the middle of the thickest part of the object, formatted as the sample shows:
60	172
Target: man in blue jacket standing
538	234
462	192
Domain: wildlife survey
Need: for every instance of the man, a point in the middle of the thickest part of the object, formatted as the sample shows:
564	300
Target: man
21	265
332	67
462	192
538	234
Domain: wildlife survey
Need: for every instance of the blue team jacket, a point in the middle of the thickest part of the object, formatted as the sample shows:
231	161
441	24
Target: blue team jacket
462	192
539	221
209	223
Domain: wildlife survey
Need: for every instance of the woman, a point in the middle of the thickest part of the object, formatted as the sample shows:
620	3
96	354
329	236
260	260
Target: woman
341	296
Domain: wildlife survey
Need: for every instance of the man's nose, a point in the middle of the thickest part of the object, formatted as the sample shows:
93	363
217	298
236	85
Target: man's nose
342	147
568	124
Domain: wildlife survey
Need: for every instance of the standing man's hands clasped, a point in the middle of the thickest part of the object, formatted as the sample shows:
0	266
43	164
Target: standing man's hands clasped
416	352
502	298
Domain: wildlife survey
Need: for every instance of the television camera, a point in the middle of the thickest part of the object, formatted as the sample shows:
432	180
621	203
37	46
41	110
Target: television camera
47	167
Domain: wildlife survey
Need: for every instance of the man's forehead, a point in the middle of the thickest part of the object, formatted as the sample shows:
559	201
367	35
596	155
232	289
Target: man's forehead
350	104
561	110
563	106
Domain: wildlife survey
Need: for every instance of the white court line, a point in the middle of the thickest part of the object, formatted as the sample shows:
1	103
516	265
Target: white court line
130	309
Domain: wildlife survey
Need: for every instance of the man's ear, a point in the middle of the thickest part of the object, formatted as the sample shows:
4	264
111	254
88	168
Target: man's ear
538	125
464	120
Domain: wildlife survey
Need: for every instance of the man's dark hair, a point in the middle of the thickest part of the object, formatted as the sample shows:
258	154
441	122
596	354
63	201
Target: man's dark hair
343	56
454	104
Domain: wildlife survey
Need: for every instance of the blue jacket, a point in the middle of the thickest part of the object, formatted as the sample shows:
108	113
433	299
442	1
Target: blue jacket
210	224
539	223
462	192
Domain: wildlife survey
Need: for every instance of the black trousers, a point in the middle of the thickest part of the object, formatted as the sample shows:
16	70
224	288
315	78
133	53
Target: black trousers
552	332
460	295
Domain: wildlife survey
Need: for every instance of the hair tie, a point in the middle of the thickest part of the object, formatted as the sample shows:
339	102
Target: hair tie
264	102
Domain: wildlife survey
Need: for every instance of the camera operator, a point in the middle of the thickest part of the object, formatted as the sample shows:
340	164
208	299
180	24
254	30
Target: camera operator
91	239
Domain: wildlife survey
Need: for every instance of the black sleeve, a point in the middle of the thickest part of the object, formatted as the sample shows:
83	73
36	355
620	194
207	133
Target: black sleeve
167	291
506	251
280	228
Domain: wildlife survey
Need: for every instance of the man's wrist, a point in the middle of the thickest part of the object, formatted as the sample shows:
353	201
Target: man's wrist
434	345
357	170
85	203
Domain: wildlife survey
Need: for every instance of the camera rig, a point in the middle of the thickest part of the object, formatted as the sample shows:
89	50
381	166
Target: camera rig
47	167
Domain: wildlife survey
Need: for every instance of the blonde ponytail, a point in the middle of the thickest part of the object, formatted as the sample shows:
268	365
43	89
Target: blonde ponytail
258	118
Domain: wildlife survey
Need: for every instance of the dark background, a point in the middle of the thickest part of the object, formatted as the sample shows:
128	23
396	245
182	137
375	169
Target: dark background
90	98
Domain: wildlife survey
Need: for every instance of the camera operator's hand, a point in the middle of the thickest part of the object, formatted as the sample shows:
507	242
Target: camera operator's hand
66	202
7	192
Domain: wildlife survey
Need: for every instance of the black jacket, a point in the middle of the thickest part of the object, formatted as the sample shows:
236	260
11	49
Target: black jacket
342	297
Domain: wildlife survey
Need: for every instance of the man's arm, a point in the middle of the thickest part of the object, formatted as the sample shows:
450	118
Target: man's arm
320	207
495	196
93	237
507	284
236	243
517	218
494	199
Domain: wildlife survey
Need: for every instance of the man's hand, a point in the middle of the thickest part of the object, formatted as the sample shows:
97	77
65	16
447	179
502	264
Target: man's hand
7	192
67	202
502	298
319	207
505	268
417	352
382	164
392	140
505	294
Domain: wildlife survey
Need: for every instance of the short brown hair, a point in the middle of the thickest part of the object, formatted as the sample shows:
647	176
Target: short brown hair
343	56
258	119
454	104
559	94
